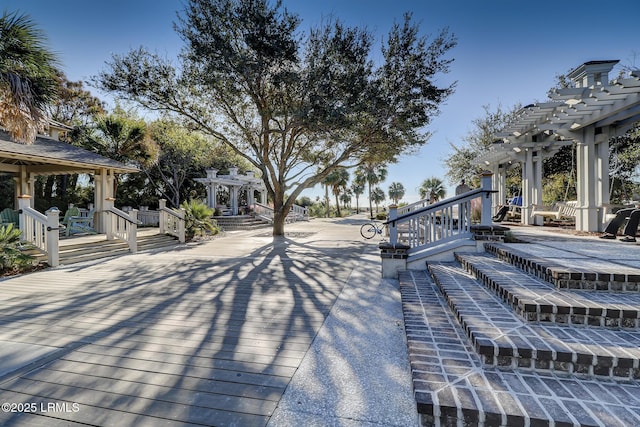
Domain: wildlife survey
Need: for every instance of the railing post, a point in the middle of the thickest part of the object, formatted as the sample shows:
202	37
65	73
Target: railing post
485	218
393	228
162	218
110	226
133	231
182	238
24	201
53	235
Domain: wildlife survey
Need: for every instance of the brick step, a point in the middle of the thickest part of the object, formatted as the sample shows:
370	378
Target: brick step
569	273
503	339
452	387
539	301
230	223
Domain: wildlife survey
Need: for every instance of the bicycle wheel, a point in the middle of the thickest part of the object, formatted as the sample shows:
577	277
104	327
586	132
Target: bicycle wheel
368	230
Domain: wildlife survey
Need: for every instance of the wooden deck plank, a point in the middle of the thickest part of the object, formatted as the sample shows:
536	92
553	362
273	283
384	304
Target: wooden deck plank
184	359
127	412
225	397
174	338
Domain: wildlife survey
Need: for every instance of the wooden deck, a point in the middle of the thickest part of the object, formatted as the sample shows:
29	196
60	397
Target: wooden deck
208	334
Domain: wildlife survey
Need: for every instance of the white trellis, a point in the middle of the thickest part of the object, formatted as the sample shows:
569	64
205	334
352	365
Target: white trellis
588	114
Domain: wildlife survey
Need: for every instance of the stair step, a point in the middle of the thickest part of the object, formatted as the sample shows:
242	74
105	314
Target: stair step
452	387
569	273
504	339
539	301
89	251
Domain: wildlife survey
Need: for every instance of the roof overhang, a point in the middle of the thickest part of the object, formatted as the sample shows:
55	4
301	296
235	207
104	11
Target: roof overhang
46	156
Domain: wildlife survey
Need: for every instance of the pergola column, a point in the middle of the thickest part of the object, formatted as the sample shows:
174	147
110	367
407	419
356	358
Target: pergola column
233	198
602	192
528	179
499	184
589	171
537	173
212	194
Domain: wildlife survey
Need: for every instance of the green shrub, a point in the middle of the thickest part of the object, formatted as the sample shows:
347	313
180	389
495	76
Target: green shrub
12	259
381	216
198	221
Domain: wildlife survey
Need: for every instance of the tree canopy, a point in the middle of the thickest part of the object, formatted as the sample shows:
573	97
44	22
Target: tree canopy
286	100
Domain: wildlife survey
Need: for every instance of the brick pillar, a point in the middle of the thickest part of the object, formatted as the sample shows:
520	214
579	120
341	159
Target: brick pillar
394	259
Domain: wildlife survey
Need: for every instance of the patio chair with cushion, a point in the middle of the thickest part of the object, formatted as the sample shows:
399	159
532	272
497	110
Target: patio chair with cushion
74	223
9	216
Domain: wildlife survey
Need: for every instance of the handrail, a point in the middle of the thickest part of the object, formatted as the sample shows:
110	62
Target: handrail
264	211
33	225
40	230
172	221
441	204
123	226
413	206
441	222
296	213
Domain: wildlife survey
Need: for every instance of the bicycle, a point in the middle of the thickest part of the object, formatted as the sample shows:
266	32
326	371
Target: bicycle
370	229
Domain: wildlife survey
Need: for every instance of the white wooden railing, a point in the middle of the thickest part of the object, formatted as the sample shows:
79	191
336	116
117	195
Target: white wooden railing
264	212
297	213
123	226
40	230
172	221
413	206
440	222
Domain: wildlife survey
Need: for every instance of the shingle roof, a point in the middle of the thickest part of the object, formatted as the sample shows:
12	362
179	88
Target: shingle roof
46	151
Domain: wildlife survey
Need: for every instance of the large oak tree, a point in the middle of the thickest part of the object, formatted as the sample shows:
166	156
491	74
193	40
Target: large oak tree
295	104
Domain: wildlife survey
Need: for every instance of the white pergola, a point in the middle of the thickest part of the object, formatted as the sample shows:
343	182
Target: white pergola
235	183
588	114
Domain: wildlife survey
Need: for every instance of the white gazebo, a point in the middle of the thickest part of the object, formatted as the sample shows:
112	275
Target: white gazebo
235	183
588	114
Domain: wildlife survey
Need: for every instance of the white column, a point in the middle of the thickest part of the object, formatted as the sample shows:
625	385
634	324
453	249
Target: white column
587	211
499	183
537	178
103	180
212	195
527	187
233	199
602	195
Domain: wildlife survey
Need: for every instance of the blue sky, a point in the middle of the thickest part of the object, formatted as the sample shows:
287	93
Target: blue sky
509	51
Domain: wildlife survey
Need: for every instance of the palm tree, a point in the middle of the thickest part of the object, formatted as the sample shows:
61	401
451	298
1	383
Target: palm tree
372	174
396	192
345	198
27	77
121	136
433	188
377	195
337	180
357	188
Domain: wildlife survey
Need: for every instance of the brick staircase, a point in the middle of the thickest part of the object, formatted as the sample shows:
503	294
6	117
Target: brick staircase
507	338
240	222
